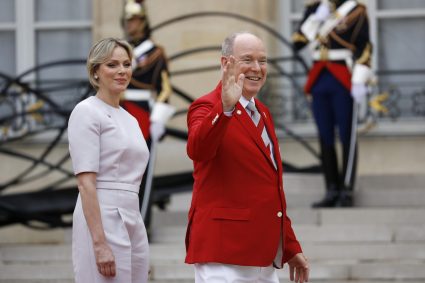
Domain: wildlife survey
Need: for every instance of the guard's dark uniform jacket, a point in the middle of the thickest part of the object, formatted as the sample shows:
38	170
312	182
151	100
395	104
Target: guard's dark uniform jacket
150	82
341	53
343	49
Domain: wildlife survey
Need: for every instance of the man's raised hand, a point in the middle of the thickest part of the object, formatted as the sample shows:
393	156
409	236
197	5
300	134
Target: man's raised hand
231	89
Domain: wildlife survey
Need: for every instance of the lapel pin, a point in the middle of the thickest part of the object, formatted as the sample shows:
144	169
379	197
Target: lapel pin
215	119
238	112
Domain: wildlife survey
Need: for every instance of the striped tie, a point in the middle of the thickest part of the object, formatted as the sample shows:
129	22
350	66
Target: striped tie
259	123
255	115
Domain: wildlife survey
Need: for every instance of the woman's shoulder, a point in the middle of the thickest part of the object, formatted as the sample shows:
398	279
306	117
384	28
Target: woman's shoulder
85	109
85	105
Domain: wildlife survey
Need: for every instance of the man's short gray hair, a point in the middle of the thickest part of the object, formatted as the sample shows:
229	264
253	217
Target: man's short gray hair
227	45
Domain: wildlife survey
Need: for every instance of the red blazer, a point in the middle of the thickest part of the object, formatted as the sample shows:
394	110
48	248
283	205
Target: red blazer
238	209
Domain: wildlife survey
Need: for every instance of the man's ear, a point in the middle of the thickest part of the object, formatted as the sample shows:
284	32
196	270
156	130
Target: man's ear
223	61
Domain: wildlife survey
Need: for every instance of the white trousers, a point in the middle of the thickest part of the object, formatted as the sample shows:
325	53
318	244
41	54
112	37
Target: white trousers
227	273
125	233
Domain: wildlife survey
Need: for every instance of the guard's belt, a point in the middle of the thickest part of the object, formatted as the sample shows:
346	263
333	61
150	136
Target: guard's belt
137	94
332	55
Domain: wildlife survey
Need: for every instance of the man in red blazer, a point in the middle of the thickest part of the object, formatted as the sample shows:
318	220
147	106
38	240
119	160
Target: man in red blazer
238	229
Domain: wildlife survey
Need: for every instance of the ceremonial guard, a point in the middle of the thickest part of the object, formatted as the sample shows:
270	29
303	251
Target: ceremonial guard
337	33
148	93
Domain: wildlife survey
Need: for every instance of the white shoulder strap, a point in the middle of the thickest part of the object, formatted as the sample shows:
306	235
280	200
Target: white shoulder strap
142	48
337	17
139	50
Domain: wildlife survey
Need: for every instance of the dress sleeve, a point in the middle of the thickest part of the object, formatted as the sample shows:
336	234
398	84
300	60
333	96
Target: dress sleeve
84	139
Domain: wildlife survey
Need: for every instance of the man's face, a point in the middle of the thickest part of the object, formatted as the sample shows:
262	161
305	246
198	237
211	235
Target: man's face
251	60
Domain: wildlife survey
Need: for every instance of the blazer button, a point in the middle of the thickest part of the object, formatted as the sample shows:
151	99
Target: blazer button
279	214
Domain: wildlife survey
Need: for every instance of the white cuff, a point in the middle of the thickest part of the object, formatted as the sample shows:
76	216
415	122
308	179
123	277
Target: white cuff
229	113
361	74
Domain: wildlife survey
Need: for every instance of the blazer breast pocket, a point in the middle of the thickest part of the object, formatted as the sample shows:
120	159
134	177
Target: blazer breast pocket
236	214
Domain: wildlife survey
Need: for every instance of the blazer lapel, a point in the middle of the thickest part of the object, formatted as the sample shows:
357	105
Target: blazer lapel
271	132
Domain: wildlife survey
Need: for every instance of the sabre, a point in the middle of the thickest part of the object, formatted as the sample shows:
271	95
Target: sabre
161	113
149	178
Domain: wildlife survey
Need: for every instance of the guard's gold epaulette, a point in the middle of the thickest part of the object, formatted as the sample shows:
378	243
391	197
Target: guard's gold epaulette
298	37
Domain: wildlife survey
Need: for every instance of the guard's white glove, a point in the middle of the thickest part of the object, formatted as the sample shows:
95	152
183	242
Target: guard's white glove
358	92
161	113
322	12
156	130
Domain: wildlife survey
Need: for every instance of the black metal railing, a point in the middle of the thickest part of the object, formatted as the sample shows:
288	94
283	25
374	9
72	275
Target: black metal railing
35	106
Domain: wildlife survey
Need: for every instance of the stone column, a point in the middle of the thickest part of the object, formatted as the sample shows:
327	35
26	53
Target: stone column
107	18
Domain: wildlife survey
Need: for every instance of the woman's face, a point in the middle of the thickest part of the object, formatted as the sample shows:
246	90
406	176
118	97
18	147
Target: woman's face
115	74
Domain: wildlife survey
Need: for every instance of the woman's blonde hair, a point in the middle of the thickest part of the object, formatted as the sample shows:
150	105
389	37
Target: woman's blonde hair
100	52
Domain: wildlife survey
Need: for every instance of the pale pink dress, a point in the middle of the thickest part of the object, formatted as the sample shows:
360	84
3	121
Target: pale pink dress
108	141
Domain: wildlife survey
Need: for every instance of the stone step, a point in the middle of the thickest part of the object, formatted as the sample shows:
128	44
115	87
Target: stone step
373	216
369	216
19	234
363	198
371	243
30	280
179	218
175	252
41	272
314	182
319	252
282	280
286	280
371	191
320	271
36	254
334	233
51	263
16	234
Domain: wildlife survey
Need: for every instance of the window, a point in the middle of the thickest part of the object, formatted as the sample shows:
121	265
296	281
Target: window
34	32
33	35
7	37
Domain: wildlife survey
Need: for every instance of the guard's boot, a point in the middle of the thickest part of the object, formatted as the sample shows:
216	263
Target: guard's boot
330	172
345	199
330	199
349	167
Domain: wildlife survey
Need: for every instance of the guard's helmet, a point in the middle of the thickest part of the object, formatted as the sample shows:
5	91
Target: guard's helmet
134	8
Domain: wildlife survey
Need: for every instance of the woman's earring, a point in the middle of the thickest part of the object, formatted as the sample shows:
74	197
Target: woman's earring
96	77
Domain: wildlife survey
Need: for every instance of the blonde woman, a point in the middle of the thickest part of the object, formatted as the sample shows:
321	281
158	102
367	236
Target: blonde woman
109	156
